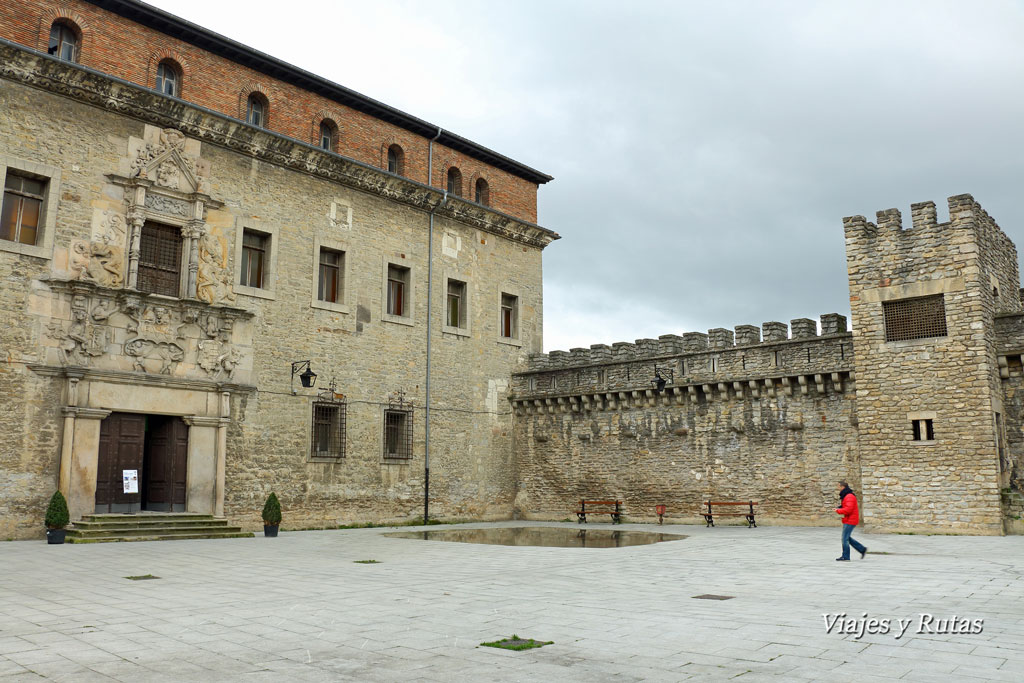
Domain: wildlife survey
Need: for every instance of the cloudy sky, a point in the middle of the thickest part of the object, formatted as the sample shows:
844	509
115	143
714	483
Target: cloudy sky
704	153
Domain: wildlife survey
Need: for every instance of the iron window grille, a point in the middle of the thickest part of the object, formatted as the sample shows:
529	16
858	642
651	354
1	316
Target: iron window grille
160	259
330	418
916	318
22	208
397	434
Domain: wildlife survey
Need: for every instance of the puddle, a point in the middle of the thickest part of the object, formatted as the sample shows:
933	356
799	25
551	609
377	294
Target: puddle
546	536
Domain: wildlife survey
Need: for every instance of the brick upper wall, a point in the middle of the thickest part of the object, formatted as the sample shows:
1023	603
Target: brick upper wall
125	49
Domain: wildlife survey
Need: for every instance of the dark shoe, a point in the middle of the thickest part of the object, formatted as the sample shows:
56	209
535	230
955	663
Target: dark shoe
863	553
842	559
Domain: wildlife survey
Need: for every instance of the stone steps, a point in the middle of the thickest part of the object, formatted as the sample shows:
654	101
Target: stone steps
149	526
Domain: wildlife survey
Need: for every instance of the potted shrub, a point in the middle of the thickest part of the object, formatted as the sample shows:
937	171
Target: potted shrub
57	518
271	516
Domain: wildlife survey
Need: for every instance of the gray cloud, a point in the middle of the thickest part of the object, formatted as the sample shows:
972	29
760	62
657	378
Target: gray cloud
704	153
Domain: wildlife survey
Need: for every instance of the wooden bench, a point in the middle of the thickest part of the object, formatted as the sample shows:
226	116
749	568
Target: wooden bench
606	507
710	515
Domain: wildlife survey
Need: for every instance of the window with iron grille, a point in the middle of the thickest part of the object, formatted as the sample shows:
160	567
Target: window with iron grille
329	422
254	258
22	209
160	259
331	283
398	434
916	318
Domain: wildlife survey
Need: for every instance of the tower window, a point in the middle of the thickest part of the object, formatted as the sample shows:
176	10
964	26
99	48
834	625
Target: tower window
396	160
482	193
328	135
256	111
916	318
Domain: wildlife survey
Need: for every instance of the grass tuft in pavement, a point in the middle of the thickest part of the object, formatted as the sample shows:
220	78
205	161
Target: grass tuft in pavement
517	643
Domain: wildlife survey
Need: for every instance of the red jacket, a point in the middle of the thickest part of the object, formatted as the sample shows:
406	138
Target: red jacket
848	509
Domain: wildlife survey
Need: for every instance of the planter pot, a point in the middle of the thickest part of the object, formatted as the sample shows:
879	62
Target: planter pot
55	536
270	530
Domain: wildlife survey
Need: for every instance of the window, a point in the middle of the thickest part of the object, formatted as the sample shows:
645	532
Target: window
63	41
22	209
254	259
168	79
398	434
509	316
331	279
256	111
398	285
454	181
328	437
482	192
160	259
916	318
922	430
455	313
396	160
328	135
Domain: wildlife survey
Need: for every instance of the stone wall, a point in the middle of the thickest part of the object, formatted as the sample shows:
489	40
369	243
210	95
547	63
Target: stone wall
772	421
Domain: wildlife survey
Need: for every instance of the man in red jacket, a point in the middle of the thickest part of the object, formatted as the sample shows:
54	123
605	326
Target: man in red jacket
848	509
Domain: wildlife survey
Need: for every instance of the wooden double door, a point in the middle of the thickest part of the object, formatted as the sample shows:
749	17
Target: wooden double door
153	446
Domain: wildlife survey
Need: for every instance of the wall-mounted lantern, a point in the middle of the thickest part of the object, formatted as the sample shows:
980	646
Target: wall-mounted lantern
659	381
306	375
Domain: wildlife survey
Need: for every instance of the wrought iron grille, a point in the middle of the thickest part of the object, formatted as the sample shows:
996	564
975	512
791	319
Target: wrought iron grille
160	259
916	318
329	422
398	434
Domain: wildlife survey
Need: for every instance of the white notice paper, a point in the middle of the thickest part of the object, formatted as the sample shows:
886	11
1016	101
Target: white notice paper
131	481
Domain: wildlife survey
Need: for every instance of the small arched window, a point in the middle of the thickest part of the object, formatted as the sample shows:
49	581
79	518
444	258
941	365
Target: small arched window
396	160
455	181
256	111
328	135
64	41
482	192
168	78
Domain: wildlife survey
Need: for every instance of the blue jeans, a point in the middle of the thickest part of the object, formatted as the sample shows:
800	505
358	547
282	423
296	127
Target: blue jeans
848	541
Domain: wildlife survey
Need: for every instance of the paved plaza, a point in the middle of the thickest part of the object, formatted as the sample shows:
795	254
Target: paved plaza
300	608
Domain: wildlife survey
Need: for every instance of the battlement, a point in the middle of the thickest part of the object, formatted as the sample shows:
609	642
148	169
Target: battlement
666	345
964	211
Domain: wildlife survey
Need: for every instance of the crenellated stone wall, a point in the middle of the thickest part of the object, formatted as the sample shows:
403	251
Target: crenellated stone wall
739	418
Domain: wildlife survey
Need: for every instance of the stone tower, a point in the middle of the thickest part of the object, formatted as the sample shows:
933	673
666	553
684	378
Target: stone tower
929	400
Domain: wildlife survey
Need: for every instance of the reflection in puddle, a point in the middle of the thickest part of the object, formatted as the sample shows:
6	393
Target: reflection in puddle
549	536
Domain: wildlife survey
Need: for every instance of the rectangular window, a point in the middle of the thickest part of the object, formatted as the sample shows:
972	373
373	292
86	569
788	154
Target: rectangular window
331	285
509	316
916	318
398	285
160	259
922	430
328	438
254	259
22	208
456	311
398	434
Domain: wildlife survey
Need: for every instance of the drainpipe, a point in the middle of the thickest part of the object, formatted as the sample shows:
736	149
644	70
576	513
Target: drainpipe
430	289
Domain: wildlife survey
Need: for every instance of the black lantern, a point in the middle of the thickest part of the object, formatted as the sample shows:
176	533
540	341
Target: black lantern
659	382
307	377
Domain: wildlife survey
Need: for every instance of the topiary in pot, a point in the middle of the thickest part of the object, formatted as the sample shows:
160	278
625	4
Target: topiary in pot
57	518
271	515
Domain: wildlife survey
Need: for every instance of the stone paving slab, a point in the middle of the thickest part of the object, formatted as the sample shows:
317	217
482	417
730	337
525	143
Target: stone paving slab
298	608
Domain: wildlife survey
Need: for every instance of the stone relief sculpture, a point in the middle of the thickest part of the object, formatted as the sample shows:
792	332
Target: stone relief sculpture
81	341
213	283
168	353
97	262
